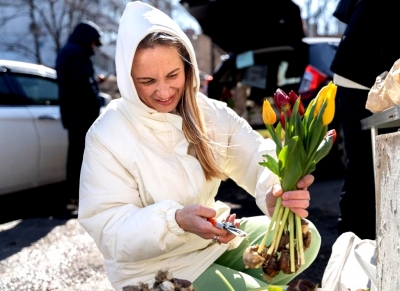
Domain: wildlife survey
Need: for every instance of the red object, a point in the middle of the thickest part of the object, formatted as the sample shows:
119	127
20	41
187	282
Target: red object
293	98
313	79
213	221
281	100
332	133
282	119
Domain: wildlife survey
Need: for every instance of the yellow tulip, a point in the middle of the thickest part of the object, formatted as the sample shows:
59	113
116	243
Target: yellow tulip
326	92
329	111
268	114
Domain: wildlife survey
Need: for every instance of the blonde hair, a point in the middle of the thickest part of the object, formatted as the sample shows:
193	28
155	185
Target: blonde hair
194	126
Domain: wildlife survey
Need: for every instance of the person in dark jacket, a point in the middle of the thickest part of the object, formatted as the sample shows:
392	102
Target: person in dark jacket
368	48
78	96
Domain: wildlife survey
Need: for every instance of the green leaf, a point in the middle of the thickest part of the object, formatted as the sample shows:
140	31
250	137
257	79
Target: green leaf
271	164
316	132
278	131
292	120
309	114
287	128
311	168
323	149
275	137
293	159
299	129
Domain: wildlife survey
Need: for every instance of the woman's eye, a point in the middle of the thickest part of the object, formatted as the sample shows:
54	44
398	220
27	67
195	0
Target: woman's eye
172	76
147	82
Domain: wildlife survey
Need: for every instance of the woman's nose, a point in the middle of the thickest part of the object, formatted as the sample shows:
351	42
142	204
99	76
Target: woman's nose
163	89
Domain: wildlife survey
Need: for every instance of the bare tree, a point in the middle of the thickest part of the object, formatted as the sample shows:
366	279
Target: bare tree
318	17
163	5
54	19
33	29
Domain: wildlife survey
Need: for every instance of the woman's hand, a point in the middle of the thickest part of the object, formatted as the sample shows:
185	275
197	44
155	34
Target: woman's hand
297	200
193	218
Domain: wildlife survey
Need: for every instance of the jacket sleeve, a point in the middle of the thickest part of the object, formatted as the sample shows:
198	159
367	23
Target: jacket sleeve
244	150
111	211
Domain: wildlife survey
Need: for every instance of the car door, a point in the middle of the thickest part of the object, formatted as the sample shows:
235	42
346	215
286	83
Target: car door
19	142
43	95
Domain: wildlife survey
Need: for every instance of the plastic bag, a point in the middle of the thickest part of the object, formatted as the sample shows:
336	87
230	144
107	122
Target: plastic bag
386	91
351	265
365	253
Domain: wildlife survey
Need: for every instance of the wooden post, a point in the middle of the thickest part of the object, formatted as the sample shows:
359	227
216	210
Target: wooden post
387	184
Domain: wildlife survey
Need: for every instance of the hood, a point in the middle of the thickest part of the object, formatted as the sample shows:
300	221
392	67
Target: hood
138	20
238	26
85	33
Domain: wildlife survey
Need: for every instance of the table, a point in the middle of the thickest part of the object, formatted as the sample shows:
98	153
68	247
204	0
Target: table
387	118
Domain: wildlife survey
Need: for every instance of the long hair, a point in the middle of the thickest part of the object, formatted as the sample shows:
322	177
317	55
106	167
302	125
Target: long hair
194	126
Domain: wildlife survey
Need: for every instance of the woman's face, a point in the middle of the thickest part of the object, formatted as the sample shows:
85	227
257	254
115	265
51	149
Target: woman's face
159	77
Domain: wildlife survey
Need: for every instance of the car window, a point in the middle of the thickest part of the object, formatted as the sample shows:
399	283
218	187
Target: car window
4	90
7	96
39	90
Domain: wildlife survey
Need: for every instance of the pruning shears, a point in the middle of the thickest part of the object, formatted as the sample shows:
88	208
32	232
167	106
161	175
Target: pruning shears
227	226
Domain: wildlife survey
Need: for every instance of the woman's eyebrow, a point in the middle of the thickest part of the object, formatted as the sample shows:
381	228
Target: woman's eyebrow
144	78
174	71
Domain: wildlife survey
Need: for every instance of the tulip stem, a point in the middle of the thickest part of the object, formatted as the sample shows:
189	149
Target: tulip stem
283	222
291	241
299	235
228	285
273	222
276	139
275	235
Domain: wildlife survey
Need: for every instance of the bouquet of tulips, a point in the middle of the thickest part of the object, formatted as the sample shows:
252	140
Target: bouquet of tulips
302	139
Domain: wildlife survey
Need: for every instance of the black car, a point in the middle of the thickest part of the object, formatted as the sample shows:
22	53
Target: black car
267	49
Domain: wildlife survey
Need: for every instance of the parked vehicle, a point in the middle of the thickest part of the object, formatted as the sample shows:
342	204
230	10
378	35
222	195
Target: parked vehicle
265	53
304	72
317	74
33	143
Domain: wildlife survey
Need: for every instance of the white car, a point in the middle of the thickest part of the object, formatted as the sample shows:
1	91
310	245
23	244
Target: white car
33	142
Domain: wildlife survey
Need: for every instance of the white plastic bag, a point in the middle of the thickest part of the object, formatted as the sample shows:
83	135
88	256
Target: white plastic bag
385	92
351	265
365	252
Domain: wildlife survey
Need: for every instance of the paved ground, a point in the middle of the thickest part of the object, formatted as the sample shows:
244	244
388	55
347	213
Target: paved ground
43	248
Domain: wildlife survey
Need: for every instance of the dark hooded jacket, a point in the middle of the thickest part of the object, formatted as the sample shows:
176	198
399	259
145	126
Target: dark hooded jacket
369	44
78	87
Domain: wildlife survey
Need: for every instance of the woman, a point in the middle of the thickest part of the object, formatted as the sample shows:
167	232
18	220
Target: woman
154	161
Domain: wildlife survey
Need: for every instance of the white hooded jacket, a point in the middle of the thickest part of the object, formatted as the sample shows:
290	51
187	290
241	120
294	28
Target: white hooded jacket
137	171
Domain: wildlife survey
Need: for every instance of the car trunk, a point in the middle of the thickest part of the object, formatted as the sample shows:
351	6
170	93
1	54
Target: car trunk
263	42
236	26
264	46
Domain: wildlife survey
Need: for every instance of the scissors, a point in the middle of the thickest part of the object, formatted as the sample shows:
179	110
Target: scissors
227	226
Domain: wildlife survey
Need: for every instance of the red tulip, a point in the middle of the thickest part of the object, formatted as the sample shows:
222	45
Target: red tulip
293	98
282	101
331	134
288	115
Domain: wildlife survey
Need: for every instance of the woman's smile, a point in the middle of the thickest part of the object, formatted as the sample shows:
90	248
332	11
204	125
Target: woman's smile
167	101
